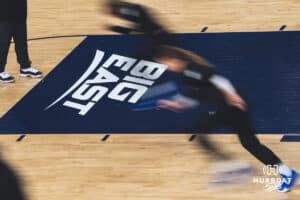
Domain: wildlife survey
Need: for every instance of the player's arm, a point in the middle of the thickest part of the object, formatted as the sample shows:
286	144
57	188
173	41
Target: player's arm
228	90
193	74
223	84
202	70
138	15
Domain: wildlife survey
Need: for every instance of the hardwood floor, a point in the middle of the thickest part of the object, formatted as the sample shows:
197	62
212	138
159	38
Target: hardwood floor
132	167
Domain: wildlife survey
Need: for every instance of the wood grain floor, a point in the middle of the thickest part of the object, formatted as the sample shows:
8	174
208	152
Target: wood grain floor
132	167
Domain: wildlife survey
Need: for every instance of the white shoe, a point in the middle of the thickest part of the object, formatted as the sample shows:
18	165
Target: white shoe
31	73
6	78
232	173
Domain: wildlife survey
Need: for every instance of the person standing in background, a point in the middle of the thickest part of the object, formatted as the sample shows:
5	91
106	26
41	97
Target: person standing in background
13	24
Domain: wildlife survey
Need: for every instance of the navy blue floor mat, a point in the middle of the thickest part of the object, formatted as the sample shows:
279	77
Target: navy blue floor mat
88	93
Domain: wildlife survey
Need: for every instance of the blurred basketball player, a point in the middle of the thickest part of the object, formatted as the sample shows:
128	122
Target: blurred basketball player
205	85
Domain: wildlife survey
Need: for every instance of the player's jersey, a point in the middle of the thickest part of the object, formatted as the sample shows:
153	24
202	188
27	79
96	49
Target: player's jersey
199	84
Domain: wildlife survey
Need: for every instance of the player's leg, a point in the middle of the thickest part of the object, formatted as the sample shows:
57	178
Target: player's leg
241	122
21	47
5	39
248	139
209	146
20	39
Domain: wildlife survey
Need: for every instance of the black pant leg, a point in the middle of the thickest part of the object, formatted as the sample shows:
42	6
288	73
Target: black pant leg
20	38
240	121
6	29
206	143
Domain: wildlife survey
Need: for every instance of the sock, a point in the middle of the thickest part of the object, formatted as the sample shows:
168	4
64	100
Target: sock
285	170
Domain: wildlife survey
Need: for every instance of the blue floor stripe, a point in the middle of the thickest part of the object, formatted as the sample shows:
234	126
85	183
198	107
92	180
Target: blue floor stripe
290	138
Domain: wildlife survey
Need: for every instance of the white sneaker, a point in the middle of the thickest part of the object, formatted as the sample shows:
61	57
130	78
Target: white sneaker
31	73
6	78
231	173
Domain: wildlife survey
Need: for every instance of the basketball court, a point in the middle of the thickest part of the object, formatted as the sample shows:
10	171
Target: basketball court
132	166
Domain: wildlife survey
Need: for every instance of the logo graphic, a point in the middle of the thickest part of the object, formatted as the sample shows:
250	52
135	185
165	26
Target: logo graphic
270	180
91	87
